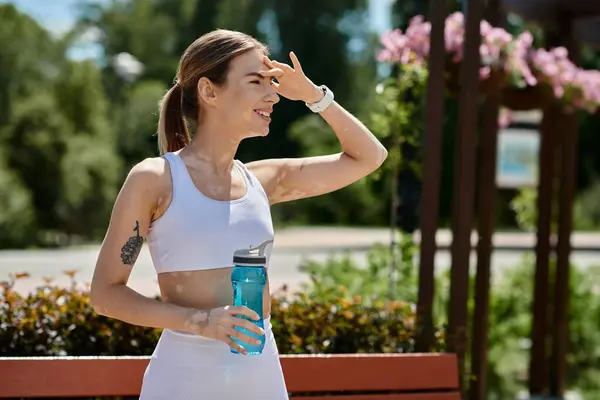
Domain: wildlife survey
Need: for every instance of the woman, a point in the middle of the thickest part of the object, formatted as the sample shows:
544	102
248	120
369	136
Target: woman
196	204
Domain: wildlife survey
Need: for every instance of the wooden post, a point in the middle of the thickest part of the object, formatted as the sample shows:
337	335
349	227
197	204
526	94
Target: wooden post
431	176
485	215
539	329
568	155
464	185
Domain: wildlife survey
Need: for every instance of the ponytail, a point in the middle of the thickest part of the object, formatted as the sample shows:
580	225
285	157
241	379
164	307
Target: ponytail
173	133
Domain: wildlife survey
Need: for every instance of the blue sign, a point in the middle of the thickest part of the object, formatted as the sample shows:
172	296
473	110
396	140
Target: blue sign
518	152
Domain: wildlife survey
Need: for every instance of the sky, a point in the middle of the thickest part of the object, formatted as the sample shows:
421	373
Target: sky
59	15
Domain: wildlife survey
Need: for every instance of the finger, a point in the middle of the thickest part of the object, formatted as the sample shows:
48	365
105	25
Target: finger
242	323
268	62
245	311
272	72
232	343
295	61
284	67
243	337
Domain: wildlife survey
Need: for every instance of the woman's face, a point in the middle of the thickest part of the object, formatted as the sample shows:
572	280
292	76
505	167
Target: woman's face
245	103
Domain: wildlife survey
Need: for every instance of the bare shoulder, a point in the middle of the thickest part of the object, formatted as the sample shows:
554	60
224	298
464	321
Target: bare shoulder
152	174
148	185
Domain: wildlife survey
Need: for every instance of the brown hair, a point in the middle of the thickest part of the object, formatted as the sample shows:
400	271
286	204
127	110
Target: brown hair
209	56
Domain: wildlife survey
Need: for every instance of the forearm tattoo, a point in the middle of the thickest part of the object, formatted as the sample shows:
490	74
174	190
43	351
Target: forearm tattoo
131	249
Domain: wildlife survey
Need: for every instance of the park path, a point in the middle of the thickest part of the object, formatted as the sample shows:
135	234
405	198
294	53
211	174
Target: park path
292	246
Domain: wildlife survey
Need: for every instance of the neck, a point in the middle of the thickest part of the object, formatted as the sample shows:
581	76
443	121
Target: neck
214	148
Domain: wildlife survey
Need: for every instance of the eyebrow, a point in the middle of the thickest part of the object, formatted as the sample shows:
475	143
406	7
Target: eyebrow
255	74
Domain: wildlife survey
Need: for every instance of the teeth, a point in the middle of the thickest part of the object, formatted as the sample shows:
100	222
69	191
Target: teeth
263	113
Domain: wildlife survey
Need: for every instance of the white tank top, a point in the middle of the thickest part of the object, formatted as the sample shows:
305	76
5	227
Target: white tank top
199	233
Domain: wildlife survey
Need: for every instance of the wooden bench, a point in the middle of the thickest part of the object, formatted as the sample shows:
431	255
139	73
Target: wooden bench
317	377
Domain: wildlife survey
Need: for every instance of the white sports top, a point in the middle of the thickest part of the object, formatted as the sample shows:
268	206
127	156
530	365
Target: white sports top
200	233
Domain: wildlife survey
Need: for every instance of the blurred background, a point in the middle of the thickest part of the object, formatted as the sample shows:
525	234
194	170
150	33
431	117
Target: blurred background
80	83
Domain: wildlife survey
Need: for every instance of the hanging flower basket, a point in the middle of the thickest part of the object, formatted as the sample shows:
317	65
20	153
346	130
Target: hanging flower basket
513	98
496	79
528	78
527	98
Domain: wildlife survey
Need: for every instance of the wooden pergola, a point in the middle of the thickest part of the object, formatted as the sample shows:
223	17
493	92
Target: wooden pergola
566	23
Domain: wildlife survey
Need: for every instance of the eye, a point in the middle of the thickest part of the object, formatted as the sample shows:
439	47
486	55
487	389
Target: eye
256	81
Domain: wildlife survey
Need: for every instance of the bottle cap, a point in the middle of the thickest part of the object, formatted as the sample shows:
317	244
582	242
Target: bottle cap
253	255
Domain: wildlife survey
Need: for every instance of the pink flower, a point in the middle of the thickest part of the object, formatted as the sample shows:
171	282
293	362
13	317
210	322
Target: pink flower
485	28
498	49
499	36
560	53
454	35
484	72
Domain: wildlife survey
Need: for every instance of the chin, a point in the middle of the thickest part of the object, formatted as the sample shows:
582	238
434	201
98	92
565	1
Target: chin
259	132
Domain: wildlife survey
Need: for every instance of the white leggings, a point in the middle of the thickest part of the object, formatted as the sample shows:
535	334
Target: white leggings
187	367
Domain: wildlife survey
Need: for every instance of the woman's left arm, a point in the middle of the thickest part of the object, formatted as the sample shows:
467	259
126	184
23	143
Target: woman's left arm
297	178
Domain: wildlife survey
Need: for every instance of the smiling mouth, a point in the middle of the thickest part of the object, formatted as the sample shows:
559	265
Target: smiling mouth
263	114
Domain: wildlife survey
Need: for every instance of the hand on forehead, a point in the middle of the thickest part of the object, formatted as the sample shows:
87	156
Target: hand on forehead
270	69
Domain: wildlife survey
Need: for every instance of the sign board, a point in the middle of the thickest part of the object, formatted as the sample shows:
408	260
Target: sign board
517	162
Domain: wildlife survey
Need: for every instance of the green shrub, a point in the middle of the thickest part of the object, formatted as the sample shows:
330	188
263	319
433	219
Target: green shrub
510	313
306	325
55	321
344	309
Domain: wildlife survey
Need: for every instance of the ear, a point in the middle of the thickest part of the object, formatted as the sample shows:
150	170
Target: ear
207	90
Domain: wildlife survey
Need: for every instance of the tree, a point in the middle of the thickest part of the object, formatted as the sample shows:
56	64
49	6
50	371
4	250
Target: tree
56	141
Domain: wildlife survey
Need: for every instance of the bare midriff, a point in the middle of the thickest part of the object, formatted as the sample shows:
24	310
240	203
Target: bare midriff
203	290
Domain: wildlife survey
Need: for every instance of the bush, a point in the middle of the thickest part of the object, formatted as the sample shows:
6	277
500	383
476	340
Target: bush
306	325
510	313
341	311
56	321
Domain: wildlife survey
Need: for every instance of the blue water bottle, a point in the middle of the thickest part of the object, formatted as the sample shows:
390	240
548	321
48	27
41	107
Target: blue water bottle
248	279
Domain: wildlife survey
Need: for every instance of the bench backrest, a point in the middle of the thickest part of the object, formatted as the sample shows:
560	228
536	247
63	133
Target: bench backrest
355	376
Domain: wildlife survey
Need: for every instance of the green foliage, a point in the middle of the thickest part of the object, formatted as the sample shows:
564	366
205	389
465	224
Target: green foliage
344	309
28	57
524	206
510	314
361	202
341	277
305	324
586	210
37	137
397	115
54	112
138	119
58	143
510	324
16	208
55	321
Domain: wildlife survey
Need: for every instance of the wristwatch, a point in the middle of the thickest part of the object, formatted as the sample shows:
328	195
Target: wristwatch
322	104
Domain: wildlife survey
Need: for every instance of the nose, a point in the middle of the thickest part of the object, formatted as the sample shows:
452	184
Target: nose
272	96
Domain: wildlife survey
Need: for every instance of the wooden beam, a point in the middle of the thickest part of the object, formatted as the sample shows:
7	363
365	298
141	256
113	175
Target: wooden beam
548	12
539	329
464	185
486	216
569	135
434	118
